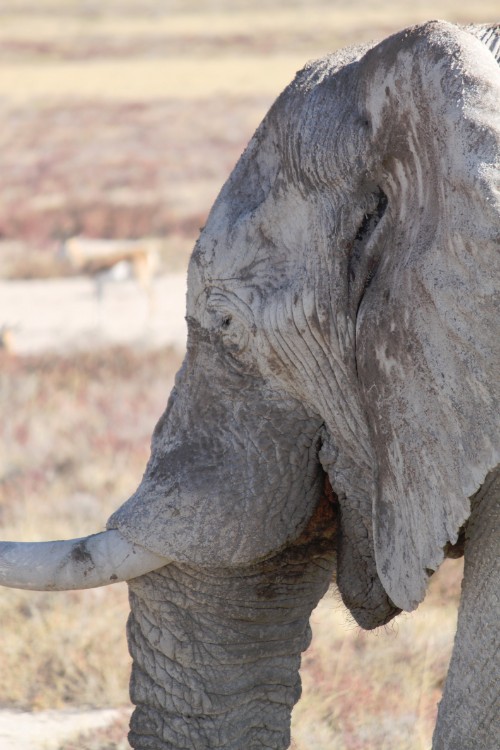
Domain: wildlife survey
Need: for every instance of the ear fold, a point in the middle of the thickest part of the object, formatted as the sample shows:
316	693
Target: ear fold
427	344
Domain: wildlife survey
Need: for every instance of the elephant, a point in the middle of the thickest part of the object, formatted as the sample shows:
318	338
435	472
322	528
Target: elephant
336	413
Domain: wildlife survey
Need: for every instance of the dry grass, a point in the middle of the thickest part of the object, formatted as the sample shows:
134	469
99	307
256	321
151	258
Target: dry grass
146	80
114	171
75	437
220	68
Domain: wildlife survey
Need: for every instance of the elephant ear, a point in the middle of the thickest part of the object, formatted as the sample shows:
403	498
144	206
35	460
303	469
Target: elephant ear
427	344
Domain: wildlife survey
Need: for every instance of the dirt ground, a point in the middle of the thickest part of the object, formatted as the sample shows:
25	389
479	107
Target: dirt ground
48	730
68	315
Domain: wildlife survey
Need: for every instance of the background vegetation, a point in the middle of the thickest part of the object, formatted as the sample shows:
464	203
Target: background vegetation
122	119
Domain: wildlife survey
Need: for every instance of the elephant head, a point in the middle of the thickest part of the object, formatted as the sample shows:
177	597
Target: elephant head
337	408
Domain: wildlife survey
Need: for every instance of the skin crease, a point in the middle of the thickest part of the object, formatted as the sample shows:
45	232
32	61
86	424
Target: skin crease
337	409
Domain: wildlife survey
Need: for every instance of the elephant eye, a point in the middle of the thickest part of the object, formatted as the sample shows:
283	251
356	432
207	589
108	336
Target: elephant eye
234	334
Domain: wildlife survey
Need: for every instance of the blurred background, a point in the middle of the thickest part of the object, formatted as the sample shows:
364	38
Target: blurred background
119	122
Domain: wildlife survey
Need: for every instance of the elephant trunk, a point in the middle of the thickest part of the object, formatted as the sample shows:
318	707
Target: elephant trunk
216	653
469	714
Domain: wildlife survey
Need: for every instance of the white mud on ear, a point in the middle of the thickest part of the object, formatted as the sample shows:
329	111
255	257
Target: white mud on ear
427	353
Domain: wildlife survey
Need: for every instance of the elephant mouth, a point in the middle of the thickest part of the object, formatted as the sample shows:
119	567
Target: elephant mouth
322	532
319	539
457	550
324	524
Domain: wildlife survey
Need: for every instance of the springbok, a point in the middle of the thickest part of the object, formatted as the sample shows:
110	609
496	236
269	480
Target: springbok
7	338
113	260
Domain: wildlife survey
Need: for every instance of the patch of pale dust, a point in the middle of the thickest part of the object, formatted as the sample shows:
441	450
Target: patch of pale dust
45	730
79	314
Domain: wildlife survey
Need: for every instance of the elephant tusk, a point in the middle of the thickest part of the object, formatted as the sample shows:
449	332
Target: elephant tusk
89	562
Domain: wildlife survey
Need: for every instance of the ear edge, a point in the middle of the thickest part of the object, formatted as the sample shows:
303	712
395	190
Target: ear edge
441	40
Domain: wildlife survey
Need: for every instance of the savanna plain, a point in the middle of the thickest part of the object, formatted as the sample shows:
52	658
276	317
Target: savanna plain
122	120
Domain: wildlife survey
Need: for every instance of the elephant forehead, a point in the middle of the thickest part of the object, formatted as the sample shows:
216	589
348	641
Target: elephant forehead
264	251
313	137
210	290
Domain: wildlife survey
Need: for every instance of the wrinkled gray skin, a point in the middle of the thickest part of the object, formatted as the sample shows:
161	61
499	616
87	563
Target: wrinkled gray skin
338	405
